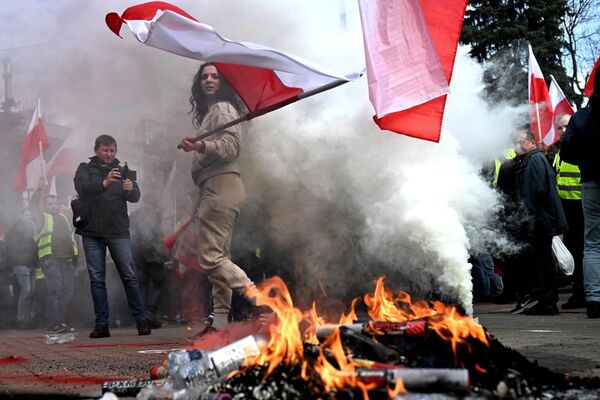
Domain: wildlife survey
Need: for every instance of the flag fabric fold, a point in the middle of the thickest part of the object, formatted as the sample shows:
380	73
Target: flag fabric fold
410	48
68	156
31	163
542	116
589	86
560	105
264	78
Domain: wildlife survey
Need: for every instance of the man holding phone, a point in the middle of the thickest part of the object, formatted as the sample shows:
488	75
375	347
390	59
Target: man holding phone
101	186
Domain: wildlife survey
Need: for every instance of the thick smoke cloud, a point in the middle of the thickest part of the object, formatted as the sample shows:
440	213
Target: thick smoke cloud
339	200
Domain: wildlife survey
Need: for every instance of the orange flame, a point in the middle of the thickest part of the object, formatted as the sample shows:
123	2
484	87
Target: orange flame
389	306
334	367
313	319
285	345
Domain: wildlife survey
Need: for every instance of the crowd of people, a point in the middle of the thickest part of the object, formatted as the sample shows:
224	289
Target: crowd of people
549	192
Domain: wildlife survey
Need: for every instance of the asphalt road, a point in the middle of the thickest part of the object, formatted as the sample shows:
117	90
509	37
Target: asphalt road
565	343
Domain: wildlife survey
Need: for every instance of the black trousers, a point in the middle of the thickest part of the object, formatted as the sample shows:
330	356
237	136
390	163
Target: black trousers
573	240
536	268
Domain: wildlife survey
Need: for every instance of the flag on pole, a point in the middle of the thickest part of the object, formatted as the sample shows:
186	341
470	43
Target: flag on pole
264	78
560	105
31	164
539	100
68	156
589	86
410	47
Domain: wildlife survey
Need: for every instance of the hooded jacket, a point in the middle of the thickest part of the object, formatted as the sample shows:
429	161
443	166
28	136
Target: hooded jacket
108	207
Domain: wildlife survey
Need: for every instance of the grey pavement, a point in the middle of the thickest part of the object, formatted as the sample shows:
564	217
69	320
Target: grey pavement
565	343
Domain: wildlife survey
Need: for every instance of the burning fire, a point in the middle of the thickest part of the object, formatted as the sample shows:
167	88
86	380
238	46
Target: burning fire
333	366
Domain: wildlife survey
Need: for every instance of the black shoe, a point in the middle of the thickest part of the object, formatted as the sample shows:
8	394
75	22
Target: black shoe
573	303
100	331
205	331
143	327
593	309
154	322
524	305
542	308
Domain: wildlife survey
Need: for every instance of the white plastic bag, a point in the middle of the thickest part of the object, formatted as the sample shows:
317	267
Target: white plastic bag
564	259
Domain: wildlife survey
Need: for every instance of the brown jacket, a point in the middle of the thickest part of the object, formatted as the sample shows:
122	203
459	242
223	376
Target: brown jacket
222	149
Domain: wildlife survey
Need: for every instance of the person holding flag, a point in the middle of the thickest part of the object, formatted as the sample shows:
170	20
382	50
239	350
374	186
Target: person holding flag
580	147
216	171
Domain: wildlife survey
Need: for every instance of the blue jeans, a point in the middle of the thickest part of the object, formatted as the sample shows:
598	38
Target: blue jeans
26	279
60	275
120	251
483	271
591	241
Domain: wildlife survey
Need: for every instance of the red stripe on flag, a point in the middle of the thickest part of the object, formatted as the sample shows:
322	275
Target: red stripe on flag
144	11
540	98
589	86
30	152
425	120
260	89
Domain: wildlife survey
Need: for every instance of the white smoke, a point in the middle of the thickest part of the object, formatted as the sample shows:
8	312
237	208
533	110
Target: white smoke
339	199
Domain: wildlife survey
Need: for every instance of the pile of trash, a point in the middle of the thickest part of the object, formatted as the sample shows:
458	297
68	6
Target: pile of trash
426	348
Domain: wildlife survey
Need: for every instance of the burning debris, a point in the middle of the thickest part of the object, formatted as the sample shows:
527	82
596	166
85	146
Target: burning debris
405	346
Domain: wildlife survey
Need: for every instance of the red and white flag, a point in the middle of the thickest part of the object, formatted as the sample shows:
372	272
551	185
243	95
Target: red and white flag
31	164
542	116
410	47
264	78
589	86
560	105
68	156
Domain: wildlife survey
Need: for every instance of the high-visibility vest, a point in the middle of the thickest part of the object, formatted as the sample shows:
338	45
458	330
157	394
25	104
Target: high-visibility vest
508	155
45	236
568	179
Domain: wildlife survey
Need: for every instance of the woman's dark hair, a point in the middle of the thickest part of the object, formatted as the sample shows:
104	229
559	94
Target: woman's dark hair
105	140
594	106
198	98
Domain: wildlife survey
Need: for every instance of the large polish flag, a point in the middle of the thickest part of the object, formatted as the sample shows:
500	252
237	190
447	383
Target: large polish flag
68	156
560	105
410	47
542	115
264	78
31	164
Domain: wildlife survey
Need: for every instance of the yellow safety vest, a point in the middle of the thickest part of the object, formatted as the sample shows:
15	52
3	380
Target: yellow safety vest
508	155
45	237
568	179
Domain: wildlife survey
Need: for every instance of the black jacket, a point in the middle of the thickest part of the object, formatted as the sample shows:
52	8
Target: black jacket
580	145
21	248
108	207
530	181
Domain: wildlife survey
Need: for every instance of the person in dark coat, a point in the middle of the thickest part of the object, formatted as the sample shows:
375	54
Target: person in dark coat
22	257
531	183
580	147
104	194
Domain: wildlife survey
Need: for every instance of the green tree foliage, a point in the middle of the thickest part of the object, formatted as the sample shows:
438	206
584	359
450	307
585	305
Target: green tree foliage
498	32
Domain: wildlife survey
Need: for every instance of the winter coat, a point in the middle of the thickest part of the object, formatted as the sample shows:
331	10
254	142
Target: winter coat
531	183
21	248
108	217
580	146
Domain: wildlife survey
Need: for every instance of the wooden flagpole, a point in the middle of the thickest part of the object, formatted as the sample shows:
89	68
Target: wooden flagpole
42	163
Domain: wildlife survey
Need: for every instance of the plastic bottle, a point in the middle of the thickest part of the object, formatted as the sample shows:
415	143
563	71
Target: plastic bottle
215	365
59	338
